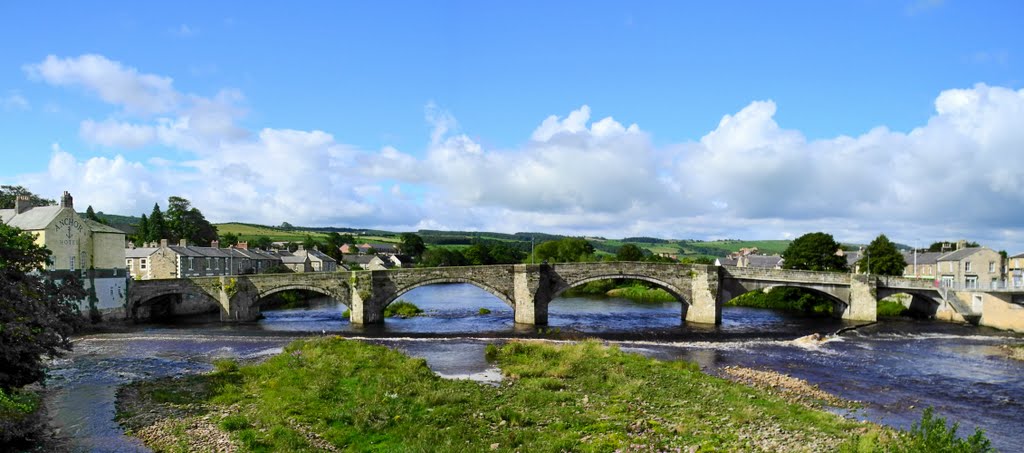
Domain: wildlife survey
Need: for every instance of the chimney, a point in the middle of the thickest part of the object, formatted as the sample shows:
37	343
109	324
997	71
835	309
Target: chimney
302	247
961	244
66	201
215	244
244	245
946	247
22	203
183	242
163	243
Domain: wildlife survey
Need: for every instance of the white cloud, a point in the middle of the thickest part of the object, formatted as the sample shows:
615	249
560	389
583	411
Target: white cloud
958	175
110	80
116	134
14	101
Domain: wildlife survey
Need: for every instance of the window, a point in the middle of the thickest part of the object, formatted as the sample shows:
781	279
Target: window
191	264
142	264
991	266
130	264
208	265
971	282
71	264
967	266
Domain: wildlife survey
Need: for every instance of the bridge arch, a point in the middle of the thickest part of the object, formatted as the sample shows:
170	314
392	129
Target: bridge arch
442	280
148	304
668	287
923	303
839	304
267	292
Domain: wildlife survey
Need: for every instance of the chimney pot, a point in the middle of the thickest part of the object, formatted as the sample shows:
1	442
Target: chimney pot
183	242
244	245
215	244
66	201
163	243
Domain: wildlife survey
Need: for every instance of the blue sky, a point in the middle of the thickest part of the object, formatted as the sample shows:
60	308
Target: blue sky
752	119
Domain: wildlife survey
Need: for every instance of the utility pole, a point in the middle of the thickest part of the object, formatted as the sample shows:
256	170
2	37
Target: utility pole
533	258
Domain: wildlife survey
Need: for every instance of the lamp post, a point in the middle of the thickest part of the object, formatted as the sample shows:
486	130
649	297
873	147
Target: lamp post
533	258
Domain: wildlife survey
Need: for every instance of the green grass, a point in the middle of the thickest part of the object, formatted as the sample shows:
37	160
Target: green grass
793	300
888	308
484	311
20	418
401	309
582	397
643	294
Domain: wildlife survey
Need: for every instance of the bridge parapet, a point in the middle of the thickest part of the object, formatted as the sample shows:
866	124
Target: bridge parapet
787	275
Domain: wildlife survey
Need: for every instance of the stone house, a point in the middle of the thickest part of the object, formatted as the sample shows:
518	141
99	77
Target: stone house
378	248
163	260
367	262
302	260
970	268
400	260
921	265
1015	271
88	248
759	261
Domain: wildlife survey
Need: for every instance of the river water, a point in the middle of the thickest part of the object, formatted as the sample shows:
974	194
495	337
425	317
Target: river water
897	368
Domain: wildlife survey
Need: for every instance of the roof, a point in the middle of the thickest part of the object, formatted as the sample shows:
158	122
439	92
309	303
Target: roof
97	227
140	252
960	254
1019	255
726	261
358	259
293	259
922	257
319	255
37	218
763	261
851	257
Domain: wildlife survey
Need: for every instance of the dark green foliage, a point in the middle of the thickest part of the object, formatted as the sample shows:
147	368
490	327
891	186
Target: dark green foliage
142	231
8	194
797	300
20	419
262	242
91	215
890	309
814	252
629	252
157	225
565	250
882	258
401	309
187	222
484	311
437	256
412	245
309	243
932	435
228	239
38	314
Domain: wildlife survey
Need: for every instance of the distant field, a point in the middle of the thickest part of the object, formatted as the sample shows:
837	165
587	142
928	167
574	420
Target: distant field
247	232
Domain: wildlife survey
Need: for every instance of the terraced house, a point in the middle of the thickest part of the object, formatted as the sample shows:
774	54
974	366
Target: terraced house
970	268
91	250
183	260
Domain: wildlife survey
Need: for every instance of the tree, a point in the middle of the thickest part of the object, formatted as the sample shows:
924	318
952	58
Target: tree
412	245
187	222
309	243
629	252
228	239
91	215
157	225
937	246
881	257
478	254
262	242
814	252
38	313
286	226
565	250
8	194
142	231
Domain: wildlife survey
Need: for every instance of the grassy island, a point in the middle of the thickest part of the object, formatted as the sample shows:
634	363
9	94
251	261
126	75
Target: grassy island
332	394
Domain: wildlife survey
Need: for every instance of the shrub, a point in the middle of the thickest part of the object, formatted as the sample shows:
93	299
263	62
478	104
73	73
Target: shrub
484	311
932	434
402	309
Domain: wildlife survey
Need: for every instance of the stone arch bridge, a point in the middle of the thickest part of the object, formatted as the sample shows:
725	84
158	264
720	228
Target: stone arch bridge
527	288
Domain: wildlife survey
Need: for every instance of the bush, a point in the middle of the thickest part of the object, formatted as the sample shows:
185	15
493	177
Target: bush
484	311
402	309
889	308
20	417
932	435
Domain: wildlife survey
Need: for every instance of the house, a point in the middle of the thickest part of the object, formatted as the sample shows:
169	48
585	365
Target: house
88	248
400	260
725	261
970	268
1015	271
921	264
302	260
852	259
377	248
367	262
758	261
163	260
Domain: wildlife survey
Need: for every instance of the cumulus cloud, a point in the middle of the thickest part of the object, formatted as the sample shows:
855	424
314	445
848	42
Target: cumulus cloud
958	175
110	80
14	101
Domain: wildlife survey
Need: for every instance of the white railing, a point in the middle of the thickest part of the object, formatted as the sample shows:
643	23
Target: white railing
982	286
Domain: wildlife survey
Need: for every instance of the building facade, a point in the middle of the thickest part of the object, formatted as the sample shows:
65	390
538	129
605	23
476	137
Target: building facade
970	268
91	250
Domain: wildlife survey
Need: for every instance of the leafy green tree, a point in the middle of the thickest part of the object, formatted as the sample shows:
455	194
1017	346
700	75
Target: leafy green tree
333	243
228	239
504	254
814	252
262	242
565	250
439	256
881	257
142	231
412	245
157	225
91	215
187	222
478	254
629	252
8	194
38	313
309	242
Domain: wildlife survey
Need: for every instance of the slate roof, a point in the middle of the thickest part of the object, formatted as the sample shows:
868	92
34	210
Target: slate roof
139	252
763	261
726	261
959	254
922	257
37	218
851	258
1019	255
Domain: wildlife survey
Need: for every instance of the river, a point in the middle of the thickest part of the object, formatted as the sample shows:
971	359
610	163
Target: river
897	368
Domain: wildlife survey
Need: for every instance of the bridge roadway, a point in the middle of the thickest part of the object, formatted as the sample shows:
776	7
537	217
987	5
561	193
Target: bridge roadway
527	288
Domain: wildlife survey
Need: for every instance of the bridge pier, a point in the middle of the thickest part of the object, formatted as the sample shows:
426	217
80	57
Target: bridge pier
237	298
863	302
704	304
531	294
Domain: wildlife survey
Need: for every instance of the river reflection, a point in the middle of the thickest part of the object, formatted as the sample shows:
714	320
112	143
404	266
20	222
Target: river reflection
896	367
